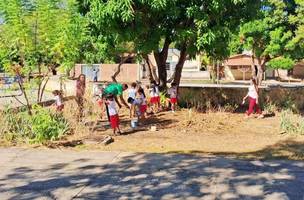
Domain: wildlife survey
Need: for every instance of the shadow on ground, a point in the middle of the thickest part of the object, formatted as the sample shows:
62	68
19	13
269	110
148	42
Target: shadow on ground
157	176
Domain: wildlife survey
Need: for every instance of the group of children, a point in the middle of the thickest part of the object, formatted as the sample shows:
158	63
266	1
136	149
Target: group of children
140	104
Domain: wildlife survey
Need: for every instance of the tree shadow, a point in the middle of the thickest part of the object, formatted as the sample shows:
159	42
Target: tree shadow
158	176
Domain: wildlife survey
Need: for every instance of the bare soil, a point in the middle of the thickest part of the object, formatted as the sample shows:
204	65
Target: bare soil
188	131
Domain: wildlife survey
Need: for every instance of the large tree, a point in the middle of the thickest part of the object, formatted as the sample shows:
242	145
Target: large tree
271	36
192	26
39	36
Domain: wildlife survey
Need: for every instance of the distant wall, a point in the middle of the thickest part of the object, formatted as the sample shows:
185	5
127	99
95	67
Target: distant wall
280	96
128	73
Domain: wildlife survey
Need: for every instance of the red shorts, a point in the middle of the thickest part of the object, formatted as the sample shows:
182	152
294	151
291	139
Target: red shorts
59	108
143	108
155	100
173	100
114	119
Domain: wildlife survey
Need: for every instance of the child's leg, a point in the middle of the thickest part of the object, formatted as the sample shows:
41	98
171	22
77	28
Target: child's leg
258	109
173	106
252	103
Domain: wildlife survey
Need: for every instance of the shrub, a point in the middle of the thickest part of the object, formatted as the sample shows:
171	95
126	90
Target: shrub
41	126
291	123
270	108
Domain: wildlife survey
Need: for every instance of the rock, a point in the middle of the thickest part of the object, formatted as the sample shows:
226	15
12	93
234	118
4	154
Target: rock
107	140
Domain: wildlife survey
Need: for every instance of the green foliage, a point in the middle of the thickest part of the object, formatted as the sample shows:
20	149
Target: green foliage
197	26
270	108
163	98
40	35
41	127
281	63
291	123
272	34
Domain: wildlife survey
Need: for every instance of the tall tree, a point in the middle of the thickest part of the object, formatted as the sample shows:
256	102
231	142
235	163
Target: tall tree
271	36
39	36
192	26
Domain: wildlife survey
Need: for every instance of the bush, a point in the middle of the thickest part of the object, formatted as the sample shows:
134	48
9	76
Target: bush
291	123
270	109
41	126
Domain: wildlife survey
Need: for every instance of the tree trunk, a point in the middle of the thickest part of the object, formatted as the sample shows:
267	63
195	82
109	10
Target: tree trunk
148	68
180	64
260	75
119	68
43	89
253	72
161	58
20	83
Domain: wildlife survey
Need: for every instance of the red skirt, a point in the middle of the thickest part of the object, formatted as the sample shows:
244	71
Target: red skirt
173	100
114	120
155	100
143	108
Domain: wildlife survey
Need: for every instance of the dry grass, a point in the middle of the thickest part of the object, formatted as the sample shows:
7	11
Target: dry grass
186	131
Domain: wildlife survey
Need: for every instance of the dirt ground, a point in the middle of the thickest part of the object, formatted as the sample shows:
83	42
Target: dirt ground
188	131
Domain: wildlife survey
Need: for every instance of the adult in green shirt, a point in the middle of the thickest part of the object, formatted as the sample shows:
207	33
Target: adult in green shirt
117	90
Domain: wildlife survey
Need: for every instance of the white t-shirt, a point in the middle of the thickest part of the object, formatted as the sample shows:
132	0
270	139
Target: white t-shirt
252	92
132	93
154	93
173	92
58	101
112	108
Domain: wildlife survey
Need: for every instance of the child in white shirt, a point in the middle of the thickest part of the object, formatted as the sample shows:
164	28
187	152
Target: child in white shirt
173	96
58	100
114	118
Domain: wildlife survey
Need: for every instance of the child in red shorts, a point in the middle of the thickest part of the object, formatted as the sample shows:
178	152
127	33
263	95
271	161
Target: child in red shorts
173	96
155	98
114	118
143	105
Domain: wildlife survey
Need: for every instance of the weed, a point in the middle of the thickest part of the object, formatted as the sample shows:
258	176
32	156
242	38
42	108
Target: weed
43	125
270	108
291	123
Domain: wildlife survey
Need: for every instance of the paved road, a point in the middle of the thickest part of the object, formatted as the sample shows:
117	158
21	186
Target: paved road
67	174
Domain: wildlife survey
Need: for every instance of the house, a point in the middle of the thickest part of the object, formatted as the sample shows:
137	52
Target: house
239	67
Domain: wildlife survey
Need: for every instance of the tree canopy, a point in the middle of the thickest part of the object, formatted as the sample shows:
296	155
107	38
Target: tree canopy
274	36
37	37
192	26
40	33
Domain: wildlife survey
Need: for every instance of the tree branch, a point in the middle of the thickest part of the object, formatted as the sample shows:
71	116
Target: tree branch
122	61
43	88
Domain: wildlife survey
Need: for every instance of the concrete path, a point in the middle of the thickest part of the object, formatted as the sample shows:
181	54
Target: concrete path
67	174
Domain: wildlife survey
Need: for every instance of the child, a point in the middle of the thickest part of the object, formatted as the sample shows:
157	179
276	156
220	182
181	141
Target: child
143	106
114	118
135	106
132	91
173	96
253	99
58	100
155	99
